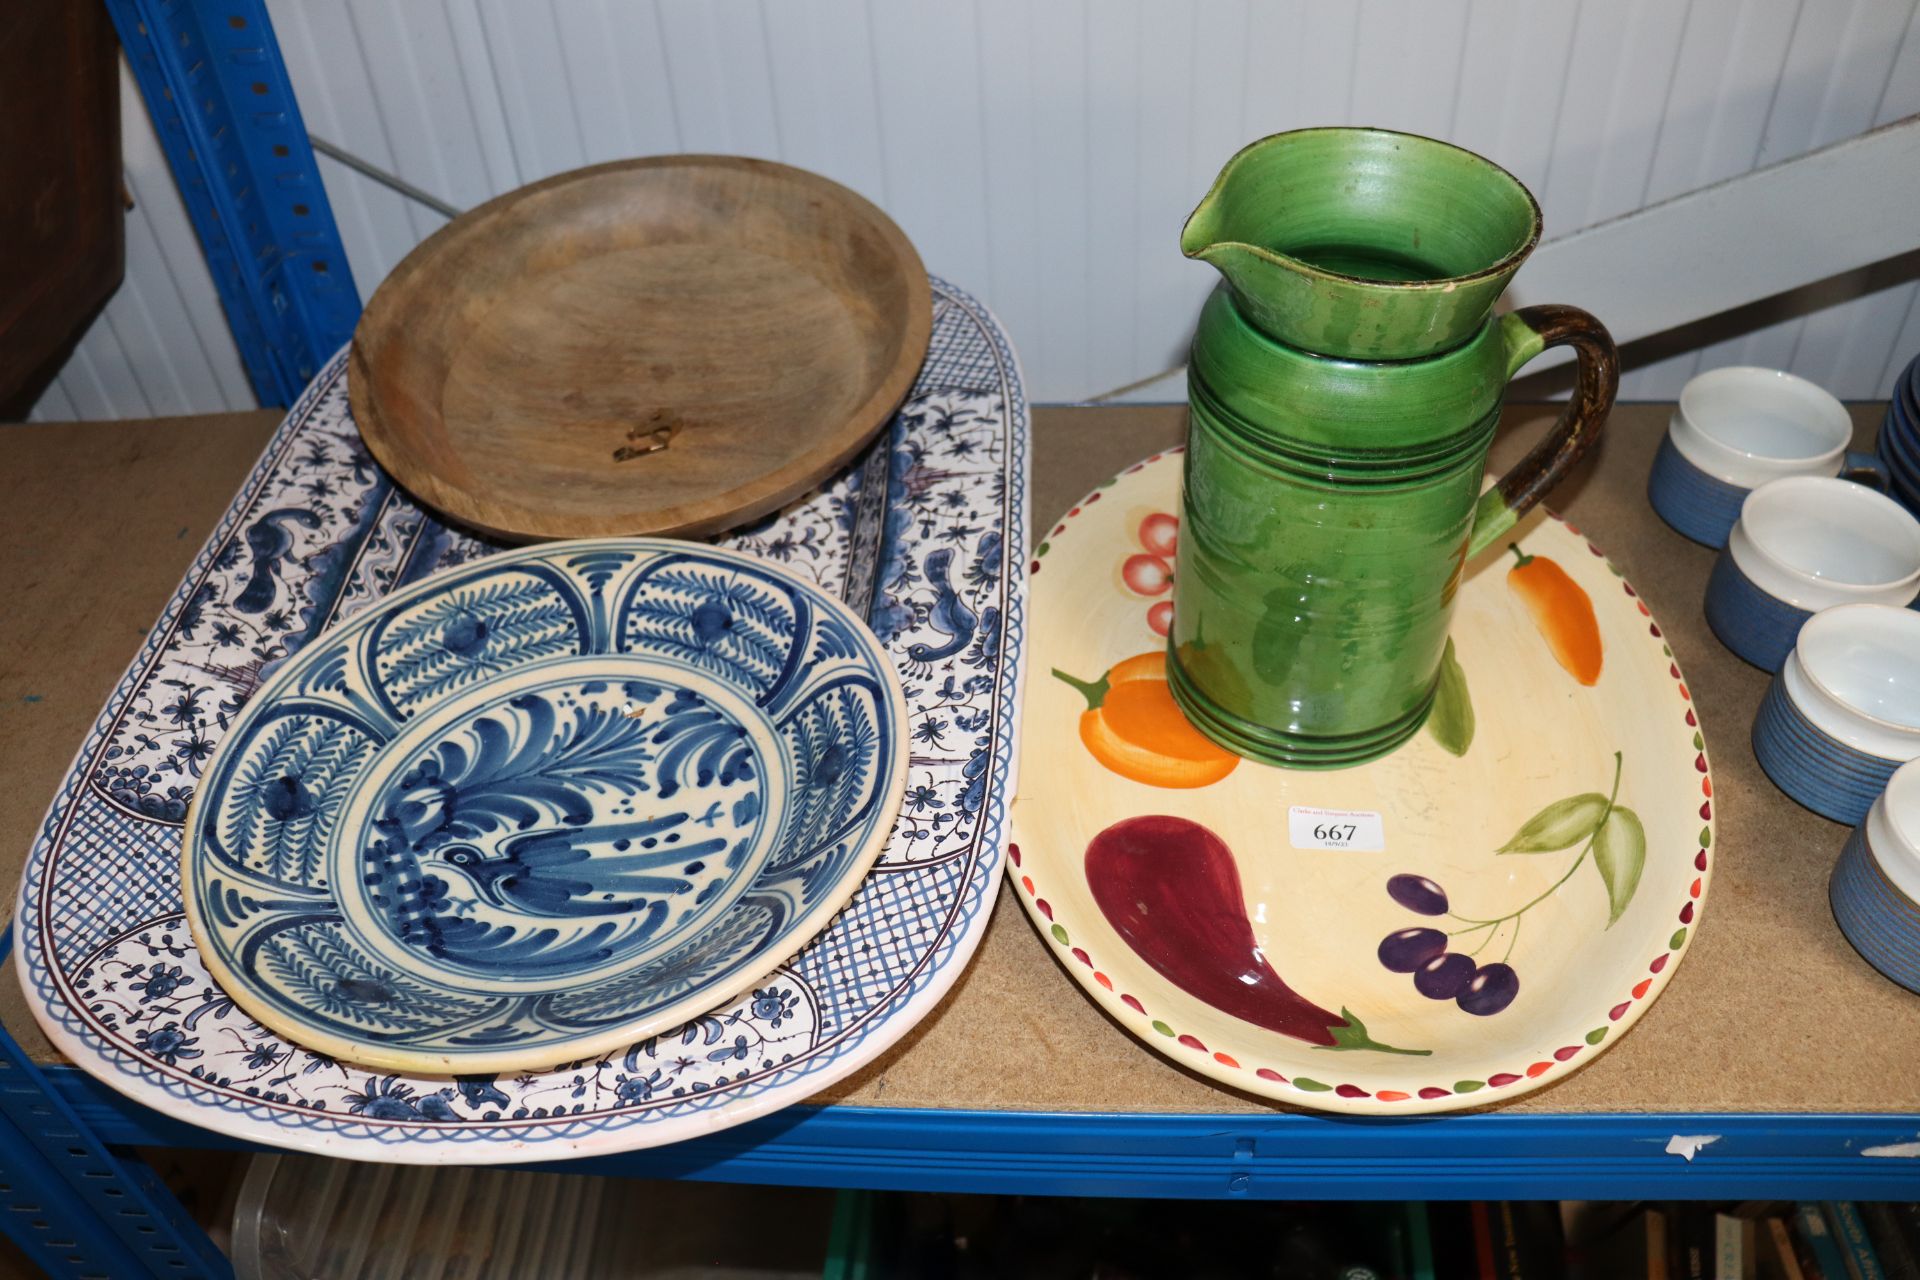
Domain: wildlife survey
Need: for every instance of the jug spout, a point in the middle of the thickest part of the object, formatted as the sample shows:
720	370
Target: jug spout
1201	237
1363	243
1267	293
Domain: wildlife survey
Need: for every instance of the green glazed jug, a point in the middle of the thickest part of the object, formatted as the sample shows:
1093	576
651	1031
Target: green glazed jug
1344	386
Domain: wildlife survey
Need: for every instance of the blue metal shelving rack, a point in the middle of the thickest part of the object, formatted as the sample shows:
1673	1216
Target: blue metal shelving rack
218	91
1255	1157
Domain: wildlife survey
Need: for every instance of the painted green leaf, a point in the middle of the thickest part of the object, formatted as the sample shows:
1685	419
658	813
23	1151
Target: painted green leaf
1620	851
1354	1036
1311	1086
1468	1086
1560	824
1451	722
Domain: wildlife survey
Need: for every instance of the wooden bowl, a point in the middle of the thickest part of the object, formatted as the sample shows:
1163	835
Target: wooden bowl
669	345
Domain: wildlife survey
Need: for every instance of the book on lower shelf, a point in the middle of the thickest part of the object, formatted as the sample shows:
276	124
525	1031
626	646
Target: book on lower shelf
1735	1247
1636	1247
1850	1230
1895	1231
1712	1243
1498	1240
1827	1252
1780	1252
992	1237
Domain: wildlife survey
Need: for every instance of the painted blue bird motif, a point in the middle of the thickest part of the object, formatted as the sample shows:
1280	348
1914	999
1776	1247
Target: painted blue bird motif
572	872
949	613
481	1091
268	541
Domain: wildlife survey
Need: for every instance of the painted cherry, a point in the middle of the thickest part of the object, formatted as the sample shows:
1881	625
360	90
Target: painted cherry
1148	575
1160	533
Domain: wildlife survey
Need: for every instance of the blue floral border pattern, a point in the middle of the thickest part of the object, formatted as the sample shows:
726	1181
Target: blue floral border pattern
923	532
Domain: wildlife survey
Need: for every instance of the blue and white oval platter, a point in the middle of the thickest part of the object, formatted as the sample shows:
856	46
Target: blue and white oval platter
543	806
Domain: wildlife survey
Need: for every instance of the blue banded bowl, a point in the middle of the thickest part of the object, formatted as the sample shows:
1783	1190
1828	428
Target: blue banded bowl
1875	886
1756	627
1802	544
1739	427
1903	476
1697	505
1899	429
1898	445
1844	711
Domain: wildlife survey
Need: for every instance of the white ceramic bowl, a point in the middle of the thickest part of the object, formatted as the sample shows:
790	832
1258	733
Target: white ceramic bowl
1875	886
1817	541
1855	673
1747	425
1893	829
1844	711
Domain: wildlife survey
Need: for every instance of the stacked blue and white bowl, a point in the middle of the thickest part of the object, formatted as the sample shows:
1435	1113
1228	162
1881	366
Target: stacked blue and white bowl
1817	581
1899	445
1818	576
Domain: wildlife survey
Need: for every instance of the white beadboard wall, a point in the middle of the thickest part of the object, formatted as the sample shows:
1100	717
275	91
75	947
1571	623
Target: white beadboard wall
1041	153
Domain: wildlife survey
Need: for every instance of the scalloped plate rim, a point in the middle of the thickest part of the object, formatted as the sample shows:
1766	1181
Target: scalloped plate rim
808	925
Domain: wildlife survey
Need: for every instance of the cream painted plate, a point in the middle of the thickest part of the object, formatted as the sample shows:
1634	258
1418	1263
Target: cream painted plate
1468	919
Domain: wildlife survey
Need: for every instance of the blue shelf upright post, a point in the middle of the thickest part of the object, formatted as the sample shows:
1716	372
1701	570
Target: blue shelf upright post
223	106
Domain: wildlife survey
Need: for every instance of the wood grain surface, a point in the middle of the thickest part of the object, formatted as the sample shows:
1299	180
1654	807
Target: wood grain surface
675	344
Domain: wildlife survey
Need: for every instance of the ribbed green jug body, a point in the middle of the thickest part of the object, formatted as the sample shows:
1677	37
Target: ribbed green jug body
1327	510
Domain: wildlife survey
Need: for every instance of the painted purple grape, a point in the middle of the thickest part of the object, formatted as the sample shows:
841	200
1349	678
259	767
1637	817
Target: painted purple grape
1443	977
1419	894
1491	989
1407	950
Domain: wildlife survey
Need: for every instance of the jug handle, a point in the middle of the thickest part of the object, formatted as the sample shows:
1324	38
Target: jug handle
1528	331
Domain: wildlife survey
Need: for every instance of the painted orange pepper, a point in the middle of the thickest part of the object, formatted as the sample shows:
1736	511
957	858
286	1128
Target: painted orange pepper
1133	726
1562	612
